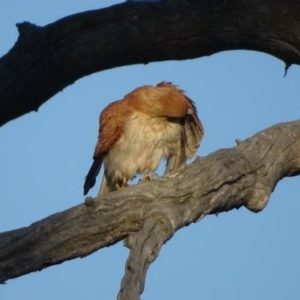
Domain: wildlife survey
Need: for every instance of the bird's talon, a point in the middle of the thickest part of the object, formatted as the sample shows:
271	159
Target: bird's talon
121	186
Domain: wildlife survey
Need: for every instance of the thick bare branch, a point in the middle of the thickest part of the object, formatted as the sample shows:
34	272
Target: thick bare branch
45	60
144	248
147	215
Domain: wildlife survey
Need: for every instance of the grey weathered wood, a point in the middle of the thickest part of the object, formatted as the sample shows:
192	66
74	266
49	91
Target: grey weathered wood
46	59
147	215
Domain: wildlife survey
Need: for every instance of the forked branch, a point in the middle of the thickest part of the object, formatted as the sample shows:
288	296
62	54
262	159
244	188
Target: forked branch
148	214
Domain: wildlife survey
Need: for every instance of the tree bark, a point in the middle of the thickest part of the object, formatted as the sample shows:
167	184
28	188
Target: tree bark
47	59
148	214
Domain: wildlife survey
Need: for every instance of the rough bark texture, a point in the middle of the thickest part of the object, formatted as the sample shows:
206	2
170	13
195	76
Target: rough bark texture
147	215
45	60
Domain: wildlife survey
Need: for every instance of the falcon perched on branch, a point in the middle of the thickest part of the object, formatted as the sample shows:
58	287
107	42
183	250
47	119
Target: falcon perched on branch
151	123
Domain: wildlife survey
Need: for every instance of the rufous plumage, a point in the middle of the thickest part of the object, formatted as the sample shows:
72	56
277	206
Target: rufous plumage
150	124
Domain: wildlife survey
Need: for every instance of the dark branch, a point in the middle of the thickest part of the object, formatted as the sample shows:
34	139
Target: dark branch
47	59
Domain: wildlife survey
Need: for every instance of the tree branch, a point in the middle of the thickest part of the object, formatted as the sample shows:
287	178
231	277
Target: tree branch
148	214
45	60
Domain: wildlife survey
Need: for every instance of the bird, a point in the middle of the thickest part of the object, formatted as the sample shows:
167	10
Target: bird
150	124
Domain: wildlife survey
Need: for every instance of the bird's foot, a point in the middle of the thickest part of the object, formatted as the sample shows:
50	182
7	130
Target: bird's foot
148	177
121	185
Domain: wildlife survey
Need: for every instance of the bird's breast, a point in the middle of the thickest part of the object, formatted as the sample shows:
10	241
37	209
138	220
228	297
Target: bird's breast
144	143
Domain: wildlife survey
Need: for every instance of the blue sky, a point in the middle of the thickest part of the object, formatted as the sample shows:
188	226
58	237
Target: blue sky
45	157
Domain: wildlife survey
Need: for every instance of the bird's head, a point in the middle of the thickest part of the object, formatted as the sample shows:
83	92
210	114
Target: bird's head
162	100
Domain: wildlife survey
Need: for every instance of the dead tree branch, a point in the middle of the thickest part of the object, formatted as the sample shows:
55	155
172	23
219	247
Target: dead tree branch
47	59
147	215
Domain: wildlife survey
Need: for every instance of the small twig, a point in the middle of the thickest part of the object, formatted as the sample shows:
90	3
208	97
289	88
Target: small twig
287	66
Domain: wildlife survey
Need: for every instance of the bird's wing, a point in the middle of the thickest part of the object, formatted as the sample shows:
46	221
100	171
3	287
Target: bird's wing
192	130
111	126
194	134
112	121
178	159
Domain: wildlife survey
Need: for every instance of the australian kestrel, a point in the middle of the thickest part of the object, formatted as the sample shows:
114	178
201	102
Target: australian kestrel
150	124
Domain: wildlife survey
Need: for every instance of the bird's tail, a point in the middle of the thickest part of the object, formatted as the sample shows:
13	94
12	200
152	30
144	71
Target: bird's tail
90	178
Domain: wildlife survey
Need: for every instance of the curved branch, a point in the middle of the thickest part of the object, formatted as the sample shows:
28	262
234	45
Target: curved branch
148	214
45	60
